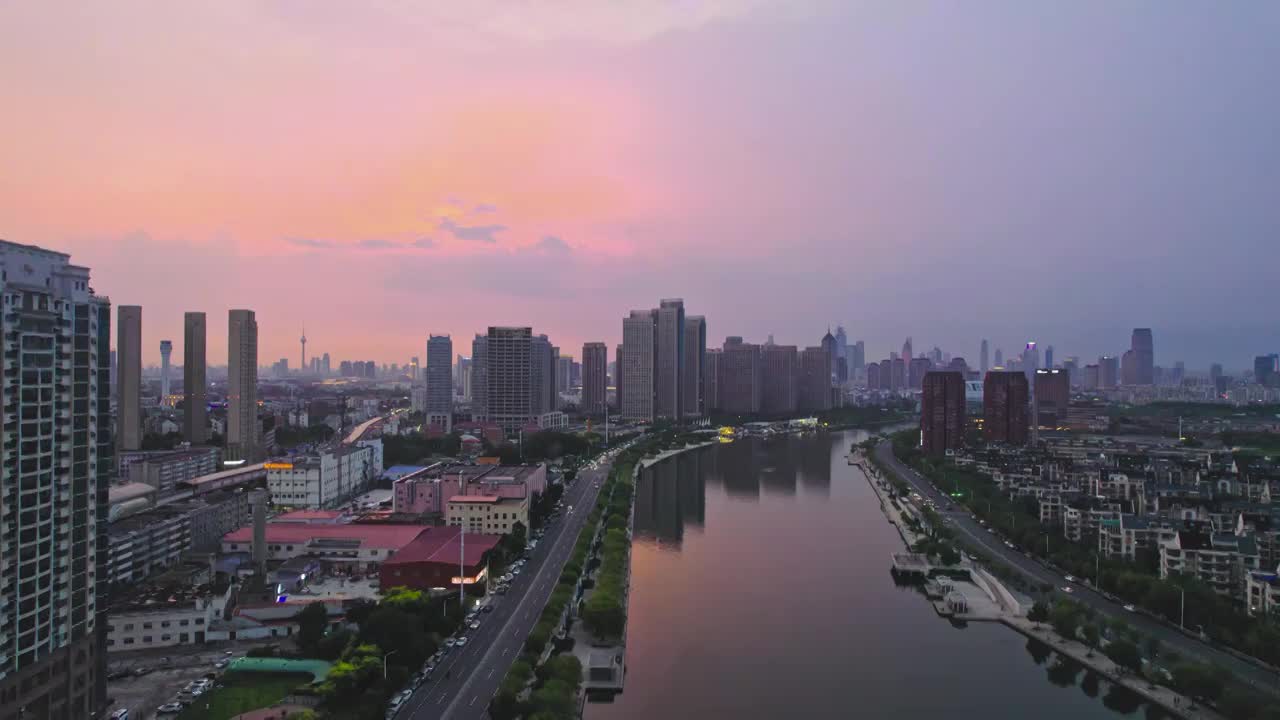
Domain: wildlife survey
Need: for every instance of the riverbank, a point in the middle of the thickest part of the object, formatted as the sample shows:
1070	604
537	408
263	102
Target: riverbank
1178	705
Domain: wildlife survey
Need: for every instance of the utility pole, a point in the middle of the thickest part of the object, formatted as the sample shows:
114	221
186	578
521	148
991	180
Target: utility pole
1182	608
462	563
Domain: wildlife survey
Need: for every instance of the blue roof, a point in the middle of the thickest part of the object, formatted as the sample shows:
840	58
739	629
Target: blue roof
395	472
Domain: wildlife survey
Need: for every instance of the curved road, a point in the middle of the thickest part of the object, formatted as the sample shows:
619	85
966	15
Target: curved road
1170	637
477	670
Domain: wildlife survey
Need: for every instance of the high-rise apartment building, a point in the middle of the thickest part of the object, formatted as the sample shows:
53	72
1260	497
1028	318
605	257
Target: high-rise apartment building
242	386
129	375
873	376
711	380
740	376
1143	348
1004	407
942	412
195	384
58	455
897	374
1129	372
542	376
510	377
1052	395
1108	372
1090	381
480	378
814	385
842	342
907	350
916	369
859	357
779	379
439	381
636	365
1266	370
983	358
564	374
669	359
595	381
617	377
695	357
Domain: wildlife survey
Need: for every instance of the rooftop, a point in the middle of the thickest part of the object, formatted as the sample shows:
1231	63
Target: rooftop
475	499
445	544
368	535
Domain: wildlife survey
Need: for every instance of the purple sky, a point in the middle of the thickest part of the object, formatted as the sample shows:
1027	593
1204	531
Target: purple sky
1017	170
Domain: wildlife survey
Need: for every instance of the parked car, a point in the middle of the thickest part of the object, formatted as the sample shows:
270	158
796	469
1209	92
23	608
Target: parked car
1130	608
171	708
462	641
475	625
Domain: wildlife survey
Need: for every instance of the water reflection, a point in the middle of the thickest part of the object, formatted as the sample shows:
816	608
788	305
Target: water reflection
1064	672
670	496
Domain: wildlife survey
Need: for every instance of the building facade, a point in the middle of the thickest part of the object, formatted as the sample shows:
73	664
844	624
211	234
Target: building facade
636	365
595	381
479	380
1004	407
57	451
668	366
508	371
439	384
324	479
129	375
740	377
711	380
1052	396
942	412
242	385
695	358
815	380
779	377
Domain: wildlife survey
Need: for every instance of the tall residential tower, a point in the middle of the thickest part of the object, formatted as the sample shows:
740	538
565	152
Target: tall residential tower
242	386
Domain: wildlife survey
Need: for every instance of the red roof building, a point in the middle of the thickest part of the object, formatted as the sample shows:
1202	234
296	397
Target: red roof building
433	560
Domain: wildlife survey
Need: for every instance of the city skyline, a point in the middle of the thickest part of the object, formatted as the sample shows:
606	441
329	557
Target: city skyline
637	119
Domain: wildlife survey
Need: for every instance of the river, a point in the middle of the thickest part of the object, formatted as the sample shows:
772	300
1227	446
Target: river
761	589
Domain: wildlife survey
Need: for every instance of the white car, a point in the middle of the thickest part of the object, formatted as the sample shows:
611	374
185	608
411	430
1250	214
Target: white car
1067	589
474	626
1130	608
450	642
462	641
1070	578
172	708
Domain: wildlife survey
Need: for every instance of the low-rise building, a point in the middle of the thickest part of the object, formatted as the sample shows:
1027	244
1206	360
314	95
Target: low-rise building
555	420
164	470
1262	592
433	559
1220	560
345	546
488	513
428	490
154	617
324	479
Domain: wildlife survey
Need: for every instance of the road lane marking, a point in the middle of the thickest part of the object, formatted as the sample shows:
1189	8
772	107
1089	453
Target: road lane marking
473	700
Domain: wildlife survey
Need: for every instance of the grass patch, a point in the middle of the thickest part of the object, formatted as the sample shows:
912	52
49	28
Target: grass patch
242	692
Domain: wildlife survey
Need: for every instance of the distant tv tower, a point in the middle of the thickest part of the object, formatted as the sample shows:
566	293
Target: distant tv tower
303	367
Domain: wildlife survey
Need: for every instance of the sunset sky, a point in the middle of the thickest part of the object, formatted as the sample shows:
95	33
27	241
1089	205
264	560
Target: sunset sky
379	171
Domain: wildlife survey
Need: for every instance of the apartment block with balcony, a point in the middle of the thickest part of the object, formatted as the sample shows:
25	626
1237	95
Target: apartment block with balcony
1221	560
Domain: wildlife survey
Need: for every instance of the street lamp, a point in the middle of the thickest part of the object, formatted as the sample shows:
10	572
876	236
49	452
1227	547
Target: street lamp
384	663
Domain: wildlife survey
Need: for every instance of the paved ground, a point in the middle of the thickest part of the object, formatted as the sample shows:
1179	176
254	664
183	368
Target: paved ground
466	680
170	669
963	522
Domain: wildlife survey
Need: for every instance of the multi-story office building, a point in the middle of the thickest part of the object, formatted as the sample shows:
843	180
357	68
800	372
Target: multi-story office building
814	385
636	365
779	378
195	387
1143	348
1053	394
859	357
129	375
942	407
711	380
326	478
1004	407
740	376
1090	381
1266	369
439	381
832	348
695	358
57	452
564	374
242	385
479	380
508	368
873	376
668	366
897	374
595	383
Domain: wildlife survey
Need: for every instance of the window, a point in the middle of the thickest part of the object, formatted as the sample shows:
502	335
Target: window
146	638
128	641
199	621
183	623
128	626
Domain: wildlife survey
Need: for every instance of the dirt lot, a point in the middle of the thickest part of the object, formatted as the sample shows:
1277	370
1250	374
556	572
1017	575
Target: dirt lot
169	669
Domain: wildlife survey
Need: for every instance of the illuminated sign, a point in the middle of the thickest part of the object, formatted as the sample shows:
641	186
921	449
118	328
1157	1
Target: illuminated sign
469	580
278	466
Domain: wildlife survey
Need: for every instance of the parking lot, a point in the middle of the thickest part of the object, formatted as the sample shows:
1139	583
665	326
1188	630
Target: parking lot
165	671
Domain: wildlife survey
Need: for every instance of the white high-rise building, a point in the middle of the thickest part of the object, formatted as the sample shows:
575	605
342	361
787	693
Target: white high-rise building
58	461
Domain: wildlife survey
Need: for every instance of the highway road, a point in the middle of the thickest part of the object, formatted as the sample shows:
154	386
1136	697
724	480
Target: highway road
1170	637
468	678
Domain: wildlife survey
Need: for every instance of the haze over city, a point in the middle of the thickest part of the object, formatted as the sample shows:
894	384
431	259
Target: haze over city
1011	170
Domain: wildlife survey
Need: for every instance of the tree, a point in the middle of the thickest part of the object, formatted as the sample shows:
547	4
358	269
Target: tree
1198	681
1125	654
1039	613
1065	619
312	621
555	697
948	554
1153	646
1091	635
394	630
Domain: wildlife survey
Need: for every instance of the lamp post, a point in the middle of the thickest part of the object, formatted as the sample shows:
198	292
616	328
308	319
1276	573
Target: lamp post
384	663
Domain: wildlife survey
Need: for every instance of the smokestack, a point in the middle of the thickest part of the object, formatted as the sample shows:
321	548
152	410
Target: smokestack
258	500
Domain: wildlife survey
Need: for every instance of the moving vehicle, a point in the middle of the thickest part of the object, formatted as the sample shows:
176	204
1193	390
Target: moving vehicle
1067	589
1130	608
121	714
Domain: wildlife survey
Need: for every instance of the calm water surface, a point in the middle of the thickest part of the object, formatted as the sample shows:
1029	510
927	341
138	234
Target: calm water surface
762	590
